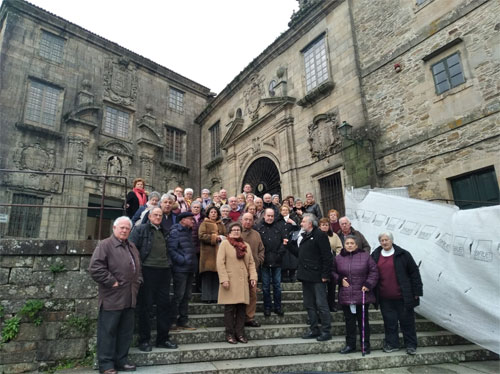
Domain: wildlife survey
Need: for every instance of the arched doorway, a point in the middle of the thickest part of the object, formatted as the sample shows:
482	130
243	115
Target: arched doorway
263	176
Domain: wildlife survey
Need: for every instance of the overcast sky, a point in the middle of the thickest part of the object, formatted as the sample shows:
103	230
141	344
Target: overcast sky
207	41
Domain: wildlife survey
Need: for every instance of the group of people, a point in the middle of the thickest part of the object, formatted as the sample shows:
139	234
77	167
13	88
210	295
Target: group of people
224	245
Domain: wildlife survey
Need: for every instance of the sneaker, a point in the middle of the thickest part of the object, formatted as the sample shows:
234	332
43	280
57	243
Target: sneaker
389	349
411	351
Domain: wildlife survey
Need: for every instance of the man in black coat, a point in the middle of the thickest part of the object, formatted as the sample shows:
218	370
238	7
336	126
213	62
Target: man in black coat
315	263
273	239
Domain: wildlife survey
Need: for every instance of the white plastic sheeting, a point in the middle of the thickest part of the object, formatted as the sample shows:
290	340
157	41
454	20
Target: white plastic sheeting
458	252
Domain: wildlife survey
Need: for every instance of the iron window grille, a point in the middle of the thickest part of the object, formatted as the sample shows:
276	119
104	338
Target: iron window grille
316	64
116	122
174	145
51	47
215	140
176	100
332	194
448	73
42	104
24	222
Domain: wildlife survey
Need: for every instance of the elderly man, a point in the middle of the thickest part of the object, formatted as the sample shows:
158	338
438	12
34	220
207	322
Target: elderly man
347	229
151	240
259	212
116	267
274	240
268	203
315	262
252	237
223	196
205	198
169	218
185	262
235	213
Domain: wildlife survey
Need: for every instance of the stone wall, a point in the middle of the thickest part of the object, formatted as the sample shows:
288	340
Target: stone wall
54	272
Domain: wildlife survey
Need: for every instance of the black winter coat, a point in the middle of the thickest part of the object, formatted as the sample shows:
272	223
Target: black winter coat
315	256
272	238
142	237
289	261
182	250
407	274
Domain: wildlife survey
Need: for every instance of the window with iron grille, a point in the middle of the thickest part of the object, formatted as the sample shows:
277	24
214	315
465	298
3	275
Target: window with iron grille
24	222
332	194
448	73
316	64
476	189
116	122
215	140
176	100
51	46
174	144
42	104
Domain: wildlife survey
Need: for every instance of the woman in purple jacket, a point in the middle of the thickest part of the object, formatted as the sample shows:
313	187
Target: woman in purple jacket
355	272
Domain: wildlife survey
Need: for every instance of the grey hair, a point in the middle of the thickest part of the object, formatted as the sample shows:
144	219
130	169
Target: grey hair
345	218
188	190
205	190
167	196
122	218
154	194
196	202
225	206
388	234
312	218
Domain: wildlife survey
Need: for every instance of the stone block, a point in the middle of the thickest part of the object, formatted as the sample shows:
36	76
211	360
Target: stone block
72	284
53	350
84	263
81	247
46	331
87	307
25	276
44	263
17	357
57	305
16	261
4	275
23	292
32	247
18	368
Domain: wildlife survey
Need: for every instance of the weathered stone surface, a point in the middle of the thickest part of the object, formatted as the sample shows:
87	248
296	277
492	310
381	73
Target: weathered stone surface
81	247
4	275
87	307
84	263
54	350
45	331
54	305
24	367
16	261
17	247
74	284
44	263
23	292
26	276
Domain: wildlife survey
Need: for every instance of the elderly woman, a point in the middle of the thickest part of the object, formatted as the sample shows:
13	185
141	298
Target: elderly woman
153	200
224	215
355	272
236	269
335	247
299	208
397	293
137	197
333	218
211	233
198	217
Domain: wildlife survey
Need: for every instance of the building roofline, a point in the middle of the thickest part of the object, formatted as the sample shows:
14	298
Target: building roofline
90	37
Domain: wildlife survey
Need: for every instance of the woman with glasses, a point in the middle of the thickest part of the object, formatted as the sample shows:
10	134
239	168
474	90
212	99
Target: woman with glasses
236	269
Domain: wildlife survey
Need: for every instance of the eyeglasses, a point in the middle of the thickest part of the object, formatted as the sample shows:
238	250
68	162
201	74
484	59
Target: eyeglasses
235	230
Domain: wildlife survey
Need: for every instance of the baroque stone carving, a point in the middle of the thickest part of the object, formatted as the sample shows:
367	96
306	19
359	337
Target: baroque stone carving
324	139
34	157
77	146
146	166
120	81
256	145
253	95
270	142
243	158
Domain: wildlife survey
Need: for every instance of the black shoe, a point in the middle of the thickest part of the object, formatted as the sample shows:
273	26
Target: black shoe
145	347
126	367
324	337
310	335
389	349
167	344
267	312
347	349
252	323
367	351
279	312
411	351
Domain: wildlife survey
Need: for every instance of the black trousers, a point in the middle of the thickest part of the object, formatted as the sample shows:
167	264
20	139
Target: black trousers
234	319
394	311
154	291
183	285
350	325
115	329
331	295
316	305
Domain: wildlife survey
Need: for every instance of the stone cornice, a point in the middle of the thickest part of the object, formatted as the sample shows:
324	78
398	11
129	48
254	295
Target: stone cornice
43	131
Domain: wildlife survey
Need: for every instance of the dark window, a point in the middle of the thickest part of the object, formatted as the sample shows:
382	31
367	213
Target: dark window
176	100
116	122
51	46
315	61
215	140
332	194
476	189
42	104
448	73
24	222
174	145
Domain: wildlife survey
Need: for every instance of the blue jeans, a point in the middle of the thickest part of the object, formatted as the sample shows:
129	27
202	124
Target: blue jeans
273	275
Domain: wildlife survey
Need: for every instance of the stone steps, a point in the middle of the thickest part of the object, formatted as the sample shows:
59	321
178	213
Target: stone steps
285	295
221	350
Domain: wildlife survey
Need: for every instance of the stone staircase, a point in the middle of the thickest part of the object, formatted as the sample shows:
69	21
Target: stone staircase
276	346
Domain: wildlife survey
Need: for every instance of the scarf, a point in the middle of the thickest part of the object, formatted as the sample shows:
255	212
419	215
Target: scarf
141	195
239	245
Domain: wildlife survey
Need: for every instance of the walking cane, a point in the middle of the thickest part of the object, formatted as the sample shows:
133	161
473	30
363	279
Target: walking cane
363	326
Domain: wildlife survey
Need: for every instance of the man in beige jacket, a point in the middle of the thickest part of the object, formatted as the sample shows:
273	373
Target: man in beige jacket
253	239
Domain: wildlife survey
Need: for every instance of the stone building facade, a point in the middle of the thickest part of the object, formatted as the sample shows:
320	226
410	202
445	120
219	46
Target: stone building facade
71	101
416	80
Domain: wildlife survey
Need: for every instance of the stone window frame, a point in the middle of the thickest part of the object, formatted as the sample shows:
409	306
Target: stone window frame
215	141
174	149
446	69
51	46
114	131
323	71
21	218
176	100
37	107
